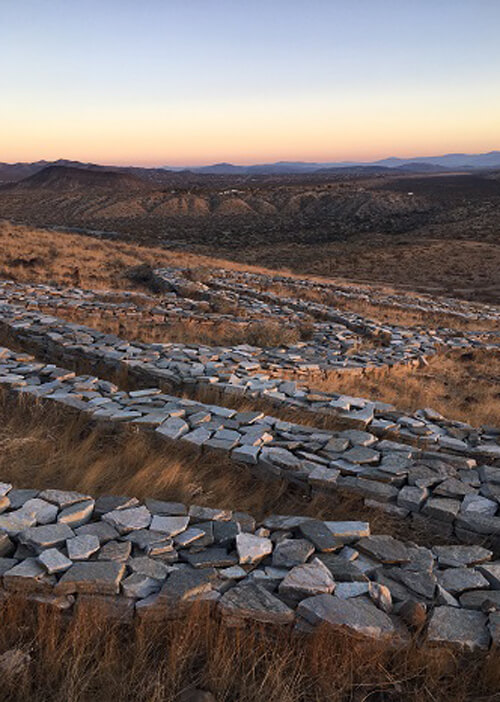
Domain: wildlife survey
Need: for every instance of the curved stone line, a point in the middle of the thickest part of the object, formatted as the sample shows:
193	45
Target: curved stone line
234	371
153	560
449	493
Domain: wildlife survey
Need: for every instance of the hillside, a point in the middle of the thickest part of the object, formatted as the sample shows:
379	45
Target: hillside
57	178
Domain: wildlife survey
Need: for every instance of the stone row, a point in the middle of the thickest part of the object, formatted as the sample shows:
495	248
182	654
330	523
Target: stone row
153	559
236	371
419	302
334	346
442	492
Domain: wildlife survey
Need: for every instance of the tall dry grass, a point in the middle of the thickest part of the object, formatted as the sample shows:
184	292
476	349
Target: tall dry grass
46	446
87	658
462	385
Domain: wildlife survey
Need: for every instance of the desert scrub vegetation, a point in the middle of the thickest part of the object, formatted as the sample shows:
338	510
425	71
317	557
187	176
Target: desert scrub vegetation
86	658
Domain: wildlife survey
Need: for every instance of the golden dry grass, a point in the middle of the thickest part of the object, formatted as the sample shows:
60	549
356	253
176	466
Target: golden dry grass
460	385
45	446
29	254
87	659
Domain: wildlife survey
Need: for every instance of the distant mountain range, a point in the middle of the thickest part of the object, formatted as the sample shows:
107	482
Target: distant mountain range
16	172
420	163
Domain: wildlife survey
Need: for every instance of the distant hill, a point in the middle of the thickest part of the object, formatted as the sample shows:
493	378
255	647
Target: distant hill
418	164
71	178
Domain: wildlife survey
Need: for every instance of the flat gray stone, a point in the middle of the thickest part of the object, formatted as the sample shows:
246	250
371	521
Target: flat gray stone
319	535
63	498
127	520
252	601
115	551
47	536
44	512
491	572
170	526
78	514
54	561
292	552
139	586
359	616
460	627
92	577
28	576
151	567
252	549
210	557
347	532
461	555
186	584
383	548
458	580
306	580
82	547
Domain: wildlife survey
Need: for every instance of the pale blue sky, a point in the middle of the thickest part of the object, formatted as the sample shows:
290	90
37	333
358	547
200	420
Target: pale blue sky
172	81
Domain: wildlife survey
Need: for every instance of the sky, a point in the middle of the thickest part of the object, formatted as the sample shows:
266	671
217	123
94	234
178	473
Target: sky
191	82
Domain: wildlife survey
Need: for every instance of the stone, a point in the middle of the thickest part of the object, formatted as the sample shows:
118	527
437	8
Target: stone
458	580
173	428
170	526
347	590
441	508
381	596
46	536
254	602
44	512
188	537
82	547
347	532
386	549
412	497
104	531
63	498
202	514
292	552
28	576
166	509
319	535
476	504
359	615
92	577
139	586
463	628
185	584
109	503
461	555
362	455
54	561
78	514
252	549
149	566
13	523
491	572
485	600
306	580
127	520
210	557
7	564
115	551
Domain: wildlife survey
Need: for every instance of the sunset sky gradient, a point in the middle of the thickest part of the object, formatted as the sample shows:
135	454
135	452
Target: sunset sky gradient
157	82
